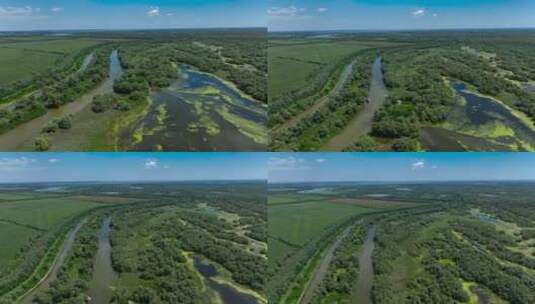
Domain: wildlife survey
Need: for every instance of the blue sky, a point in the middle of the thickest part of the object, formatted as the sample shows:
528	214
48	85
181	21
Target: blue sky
398	14
380	167
130	14
38	167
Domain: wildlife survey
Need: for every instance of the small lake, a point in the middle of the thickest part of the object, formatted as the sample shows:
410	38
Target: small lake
103	275
228	294
478	111
199	112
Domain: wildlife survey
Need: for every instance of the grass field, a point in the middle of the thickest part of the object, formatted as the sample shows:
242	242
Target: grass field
299	223
293	62
12	238
44	213
21	60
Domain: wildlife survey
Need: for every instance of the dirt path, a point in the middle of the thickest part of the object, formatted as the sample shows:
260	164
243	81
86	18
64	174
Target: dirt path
52	274
308	293
292	122
363	288
361	124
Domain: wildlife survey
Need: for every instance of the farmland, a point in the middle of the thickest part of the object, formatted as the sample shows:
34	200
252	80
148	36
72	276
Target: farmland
436	242
118	91
424	91
77	242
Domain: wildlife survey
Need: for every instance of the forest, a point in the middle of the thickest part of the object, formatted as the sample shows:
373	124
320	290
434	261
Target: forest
105	82
471	245
105	250
435	82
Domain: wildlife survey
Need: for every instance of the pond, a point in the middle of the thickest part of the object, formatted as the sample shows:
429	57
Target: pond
199	112
480	124
228	294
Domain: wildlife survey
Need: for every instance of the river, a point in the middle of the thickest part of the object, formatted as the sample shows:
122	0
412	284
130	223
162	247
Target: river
363	287
52	275
103	275
22	136
361	124
228	294
199	112
478	112
319	273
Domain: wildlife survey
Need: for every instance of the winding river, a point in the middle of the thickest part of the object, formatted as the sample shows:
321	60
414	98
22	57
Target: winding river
362	291
22	136
103	275
52	274
228	294
361	124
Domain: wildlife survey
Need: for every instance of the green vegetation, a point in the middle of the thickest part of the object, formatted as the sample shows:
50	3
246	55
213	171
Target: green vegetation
154	234
434	243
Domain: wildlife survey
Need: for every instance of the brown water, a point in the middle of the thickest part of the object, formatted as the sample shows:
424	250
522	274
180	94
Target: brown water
361	124
22	137
362	292
103	275
319	274
52	275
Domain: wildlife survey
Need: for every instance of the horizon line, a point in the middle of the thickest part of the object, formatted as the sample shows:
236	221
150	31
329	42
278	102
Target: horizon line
133	29
405	182
403	29
134	181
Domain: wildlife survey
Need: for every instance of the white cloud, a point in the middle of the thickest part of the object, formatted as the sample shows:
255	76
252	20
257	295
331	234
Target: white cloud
286	163
435	15
322	9
57	9
154	11
169	14
290	11
321	160
10	164
12	12
420	12
53	160
151	164
417	165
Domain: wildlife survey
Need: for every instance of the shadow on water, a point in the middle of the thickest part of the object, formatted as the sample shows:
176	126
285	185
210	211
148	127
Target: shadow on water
190	115
228	294
478	111
103	275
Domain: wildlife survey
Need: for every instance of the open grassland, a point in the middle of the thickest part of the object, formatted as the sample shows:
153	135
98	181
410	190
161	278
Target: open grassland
299	223
13	238
20	64
44	213
293	64
22	60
